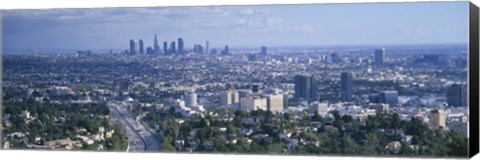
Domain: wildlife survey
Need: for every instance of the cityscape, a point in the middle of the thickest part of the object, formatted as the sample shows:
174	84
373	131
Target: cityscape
209	96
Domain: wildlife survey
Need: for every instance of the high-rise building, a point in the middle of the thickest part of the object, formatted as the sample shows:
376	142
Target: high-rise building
380	56
180	46
133	47
253	103
229	97
389	97
437	118
457	95
275	103
255	88
335	58
226	51
150	51
140	46
319	108
252	57
459	125
207	49
285	100
305	87
165	47
156	47
347	86
214	51
190	98
198	49
263	50
172	48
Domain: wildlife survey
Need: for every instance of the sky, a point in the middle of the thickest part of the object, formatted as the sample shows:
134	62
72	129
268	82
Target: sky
238	26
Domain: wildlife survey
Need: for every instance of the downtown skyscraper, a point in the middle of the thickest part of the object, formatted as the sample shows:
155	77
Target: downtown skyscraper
226	51
263	50
207	51
380	56
347	86
305	87
156	47
140	46
165	47
133	47
181	46
172	48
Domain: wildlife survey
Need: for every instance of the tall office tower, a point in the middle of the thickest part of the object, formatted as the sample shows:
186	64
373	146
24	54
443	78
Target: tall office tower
380	56
275	103
207	49
346	81
190	98
389	97
150	51
226	51
437	118
156	47
198	49
172	48
285	101
133	47
255	88
457	95
180	48
140	46
335	58
165	47
263	50
305	87
214	51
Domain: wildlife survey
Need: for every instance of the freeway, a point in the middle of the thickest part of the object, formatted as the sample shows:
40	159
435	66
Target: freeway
149	140
135	141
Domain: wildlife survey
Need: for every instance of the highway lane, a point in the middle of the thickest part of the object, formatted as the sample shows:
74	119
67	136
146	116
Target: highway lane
135	142
152	144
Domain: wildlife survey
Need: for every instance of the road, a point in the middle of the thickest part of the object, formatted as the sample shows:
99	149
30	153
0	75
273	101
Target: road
135	142
158	136
148	139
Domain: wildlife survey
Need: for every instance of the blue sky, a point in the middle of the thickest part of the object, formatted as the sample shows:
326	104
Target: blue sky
239	26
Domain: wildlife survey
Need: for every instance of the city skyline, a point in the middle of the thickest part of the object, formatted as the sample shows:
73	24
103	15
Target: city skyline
250	26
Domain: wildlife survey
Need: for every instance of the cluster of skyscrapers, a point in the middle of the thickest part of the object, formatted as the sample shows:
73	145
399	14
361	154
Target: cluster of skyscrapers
175	47
306	86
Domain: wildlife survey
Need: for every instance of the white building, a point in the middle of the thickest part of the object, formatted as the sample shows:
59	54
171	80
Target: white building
275	103
190	99
320	108
253	103
229	97
460	126
437	118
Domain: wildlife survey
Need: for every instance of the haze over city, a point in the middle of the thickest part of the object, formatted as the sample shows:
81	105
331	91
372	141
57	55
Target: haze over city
238	26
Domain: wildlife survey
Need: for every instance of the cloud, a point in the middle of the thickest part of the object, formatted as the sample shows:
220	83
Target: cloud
246	12
249	12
